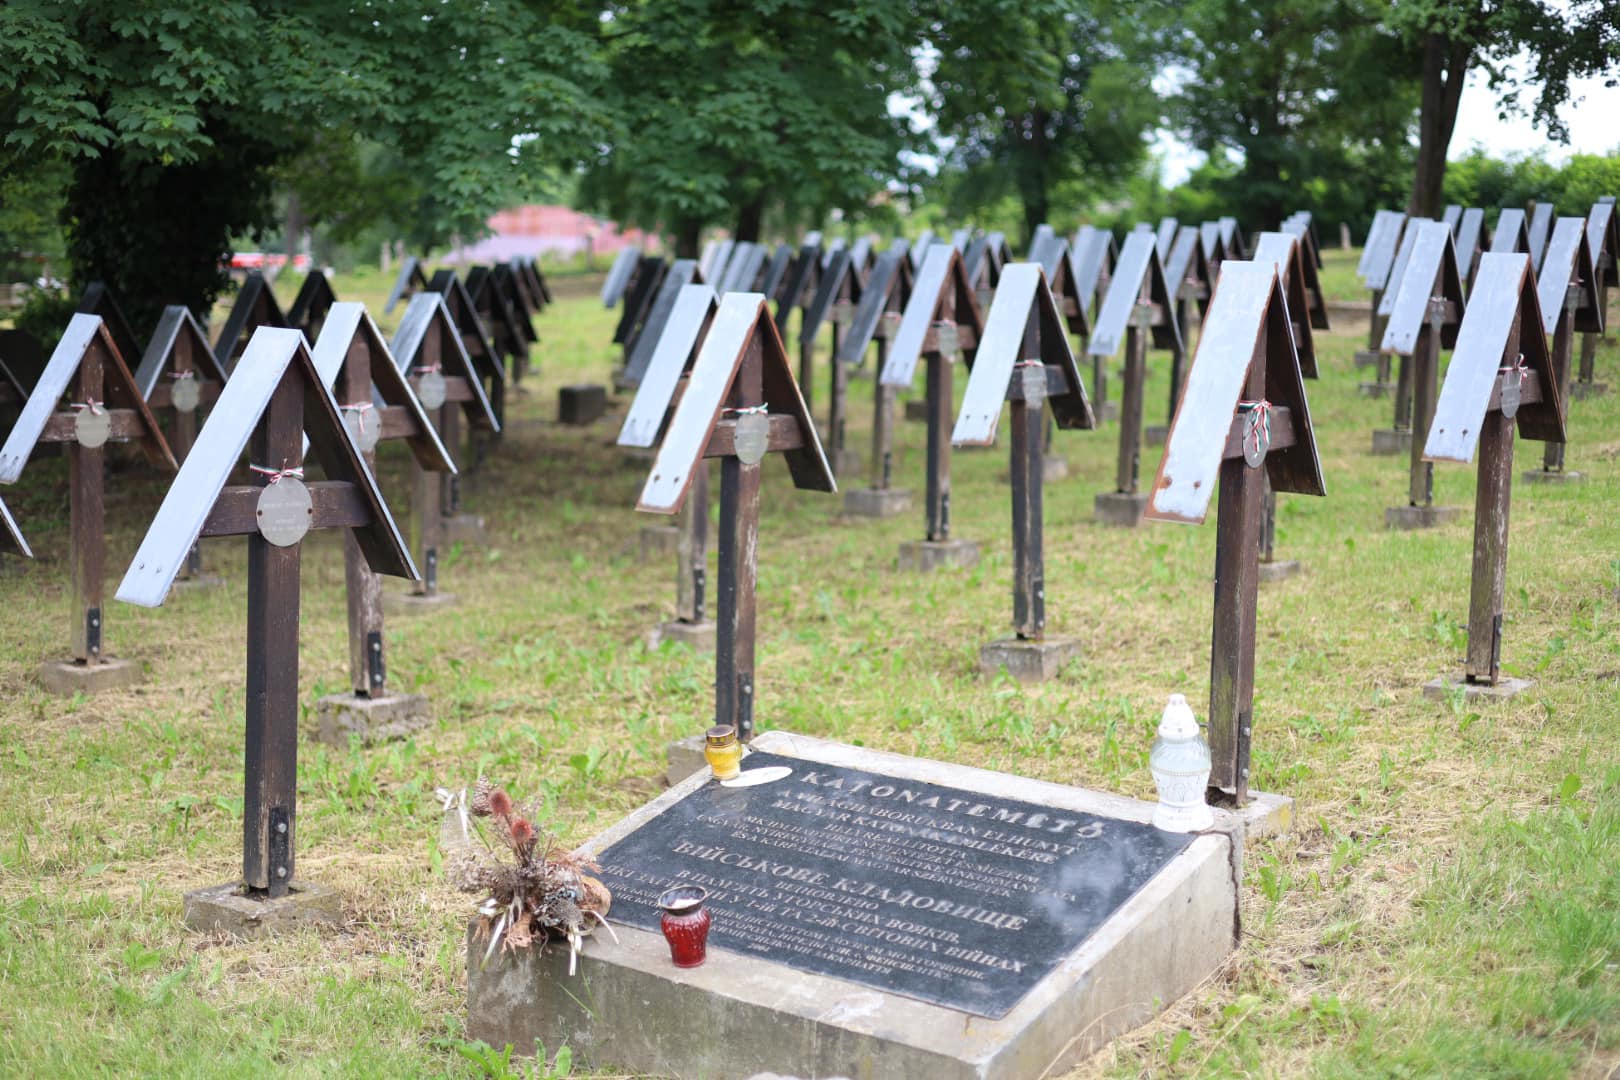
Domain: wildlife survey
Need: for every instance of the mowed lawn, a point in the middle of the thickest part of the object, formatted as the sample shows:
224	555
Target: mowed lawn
1448	903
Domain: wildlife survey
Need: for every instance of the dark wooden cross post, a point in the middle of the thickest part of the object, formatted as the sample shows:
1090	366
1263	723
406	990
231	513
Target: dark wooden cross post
1377	262
1024	359
1138	304
1244	410
1500	377
883	298
179	374
1603	238
275	398
941	322
740	403
377	404
102	404
1571	303
428	347
662	382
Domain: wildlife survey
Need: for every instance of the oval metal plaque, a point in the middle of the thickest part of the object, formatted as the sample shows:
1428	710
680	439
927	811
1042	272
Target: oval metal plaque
430	389
186	394
285	511
753	437
92	428
1034	382
366	429
1256	438
1511	380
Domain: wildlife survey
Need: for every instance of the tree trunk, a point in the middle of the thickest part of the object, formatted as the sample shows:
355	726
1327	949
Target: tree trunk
749	218
1030	162
687	236
1445	69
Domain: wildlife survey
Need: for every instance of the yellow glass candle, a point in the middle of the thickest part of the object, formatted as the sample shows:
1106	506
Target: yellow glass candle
723	752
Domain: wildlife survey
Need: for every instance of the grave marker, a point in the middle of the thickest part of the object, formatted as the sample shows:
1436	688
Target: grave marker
941	322
1470	234
624	264
1191	280
1165	237
1397	439
1244	409
876	318
1139	302
1377	263
309	308
741	264
1512	233
836	295
103	405
1209	234
1500	376
410	280
475	339
494	309
716	269
740	404
775	273
1603	238
1452	215
273	401
920	248
1567	283
1024	359
984	259
98	299
1094	259
1540	230
643	287
377	404
1232	239
255	306
682	272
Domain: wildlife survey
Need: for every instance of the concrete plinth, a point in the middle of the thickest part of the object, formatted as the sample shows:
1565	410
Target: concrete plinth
1279	569
1392	441
69	677
1027	661
465	529
1120	508
200	583
926	555
373	719
917	409
1507	688
696	636
875	502
684	757
629	1010
1266	815
409	603
1155	434
1420	517
1367	357
1375	389
1553	476
224	909
1582	390
581	404
659	540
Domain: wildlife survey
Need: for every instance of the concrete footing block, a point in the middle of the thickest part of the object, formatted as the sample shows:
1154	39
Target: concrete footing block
1504	689
1280	569
374	719
917	410
1392	441
1553	476
698	636
581	404
226	909
1376	389
409	603
927	555
659	540
876	502
1155	434
683	758
1266	815
1420	517
69	677
1582	390
1120	508
1366	358
1028	661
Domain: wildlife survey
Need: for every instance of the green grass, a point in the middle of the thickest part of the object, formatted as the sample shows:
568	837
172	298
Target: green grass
1445	905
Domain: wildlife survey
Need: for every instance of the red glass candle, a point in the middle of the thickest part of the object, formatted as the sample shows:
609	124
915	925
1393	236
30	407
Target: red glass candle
685	923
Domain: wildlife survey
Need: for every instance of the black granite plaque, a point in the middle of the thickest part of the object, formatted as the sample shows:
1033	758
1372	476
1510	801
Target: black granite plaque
930	892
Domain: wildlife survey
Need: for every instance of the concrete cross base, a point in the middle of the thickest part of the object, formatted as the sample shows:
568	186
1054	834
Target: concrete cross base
1266	815
1582	390
1376	389
1504	689
926	555
1028	661
1420	517
876	502
1553	476
698	636
225	909
465	529
409	603
69	677
1120	508
917	409
200	583
1367	358
1155	434
1392	441
1279	569
581	404
373	719
658	540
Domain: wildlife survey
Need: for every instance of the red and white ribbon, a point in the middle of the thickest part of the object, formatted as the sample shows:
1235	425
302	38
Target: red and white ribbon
275	475
361	407
96	407
1261	428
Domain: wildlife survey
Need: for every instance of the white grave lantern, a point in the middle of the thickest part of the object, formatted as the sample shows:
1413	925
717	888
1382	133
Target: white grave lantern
1180	761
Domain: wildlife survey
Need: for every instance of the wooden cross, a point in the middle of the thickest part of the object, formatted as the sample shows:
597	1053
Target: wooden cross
1468	241
1024	359
1512	233
1302	223
428	347
527	269
1232	239
315	298
377	404
682	272
1501	375
773	278
638	298
740	404
680	336
410	280
1138	302
837	291
494	307
941	322
255	306
798	292
883	298
98	299
178	375
983	261
475	339
742	272
1571	303
1244	408
1377	262
618	275
1191	281
274	399
102	404
1603	238
1540	230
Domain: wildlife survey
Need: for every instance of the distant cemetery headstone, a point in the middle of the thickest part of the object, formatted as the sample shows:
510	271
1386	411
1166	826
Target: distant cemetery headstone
86	398
1397	438
495	311
1500	376
1571	303
273	401
1244	410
